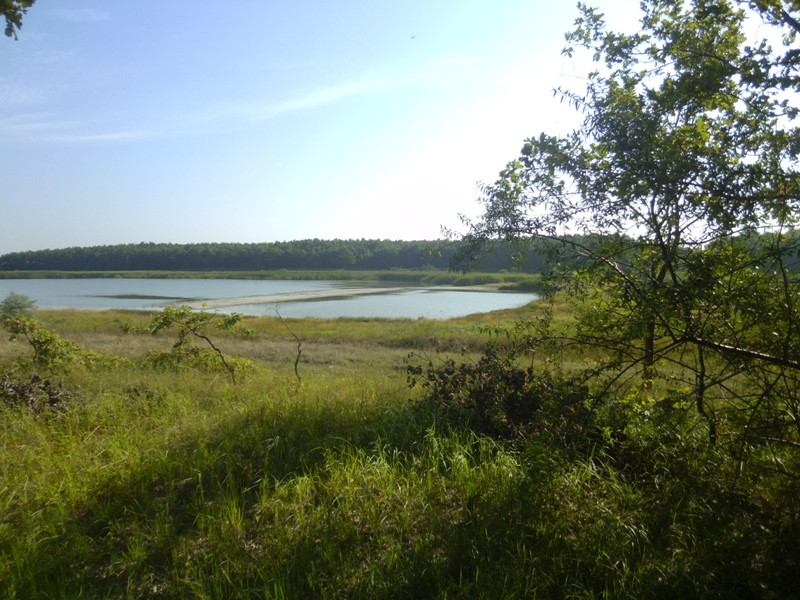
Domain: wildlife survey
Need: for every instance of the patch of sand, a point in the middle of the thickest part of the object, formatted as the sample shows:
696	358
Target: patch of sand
319	294
289	297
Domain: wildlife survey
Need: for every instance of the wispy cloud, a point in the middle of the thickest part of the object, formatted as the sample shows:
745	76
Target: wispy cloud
114	136
81	15
255	111
23	125
13	96
330	95
47	127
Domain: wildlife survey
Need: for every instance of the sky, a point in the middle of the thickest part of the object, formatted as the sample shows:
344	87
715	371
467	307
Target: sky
262	121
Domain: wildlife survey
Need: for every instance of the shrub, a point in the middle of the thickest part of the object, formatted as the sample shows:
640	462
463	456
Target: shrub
36	394
16	305
191	325
201	359
50	350
495	397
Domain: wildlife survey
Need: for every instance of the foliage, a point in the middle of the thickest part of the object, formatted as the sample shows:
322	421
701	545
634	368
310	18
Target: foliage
176	483
668	213
361	255
493	396
50	350
173	485
205	360
191	324
16	305
12	11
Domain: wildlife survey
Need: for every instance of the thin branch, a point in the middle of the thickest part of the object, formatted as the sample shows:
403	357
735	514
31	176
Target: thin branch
299	345
745	353
208	341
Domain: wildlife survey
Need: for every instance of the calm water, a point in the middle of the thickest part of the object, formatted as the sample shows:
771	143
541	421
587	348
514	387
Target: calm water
149	294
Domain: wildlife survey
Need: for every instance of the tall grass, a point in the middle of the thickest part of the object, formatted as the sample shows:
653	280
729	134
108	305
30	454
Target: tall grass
179	484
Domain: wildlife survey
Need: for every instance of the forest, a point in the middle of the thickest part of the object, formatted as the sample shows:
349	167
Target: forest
315	254
301	254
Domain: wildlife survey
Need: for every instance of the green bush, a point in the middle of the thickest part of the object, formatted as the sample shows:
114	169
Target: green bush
16	305
191	325
495	397
201	359
50	350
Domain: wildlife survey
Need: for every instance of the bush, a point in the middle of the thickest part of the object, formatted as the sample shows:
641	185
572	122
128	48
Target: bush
16	305
51	351
191	325
200	359
495	397
36	394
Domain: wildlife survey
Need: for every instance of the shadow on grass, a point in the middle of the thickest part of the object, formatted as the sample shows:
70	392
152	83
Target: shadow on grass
139	531
321	501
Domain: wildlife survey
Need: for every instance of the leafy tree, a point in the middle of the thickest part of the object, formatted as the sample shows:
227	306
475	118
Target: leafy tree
191	325
654	209
13	10
16	305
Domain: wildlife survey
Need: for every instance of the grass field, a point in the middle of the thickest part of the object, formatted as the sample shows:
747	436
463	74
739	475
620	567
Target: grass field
333	481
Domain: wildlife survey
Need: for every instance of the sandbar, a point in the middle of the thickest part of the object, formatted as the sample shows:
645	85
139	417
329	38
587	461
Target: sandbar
322	294
290	297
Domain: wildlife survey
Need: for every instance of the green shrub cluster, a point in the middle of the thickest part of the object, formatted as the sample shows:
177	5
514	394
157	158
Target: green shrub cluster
51	351
494	396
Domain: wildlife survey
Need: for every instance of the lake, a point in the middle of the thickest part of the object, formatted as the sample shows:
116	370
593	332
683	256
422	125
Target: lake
323	299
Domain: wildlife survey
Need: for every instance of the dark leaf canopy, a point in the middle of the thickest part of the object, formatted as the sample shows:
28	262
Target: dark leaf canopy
13	10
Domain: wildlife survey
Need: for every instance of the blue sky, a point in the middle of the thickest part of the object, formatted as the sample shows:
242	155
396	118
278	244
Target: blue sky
260	121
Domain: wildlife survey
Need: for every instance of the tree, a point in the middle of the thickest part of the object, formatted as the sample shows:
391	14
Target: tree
191	325
13	10
667	210
16	305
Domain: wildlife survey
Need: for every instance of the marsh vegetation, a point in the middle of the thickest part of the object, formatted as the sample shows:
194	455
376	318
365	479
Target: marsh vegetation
134	467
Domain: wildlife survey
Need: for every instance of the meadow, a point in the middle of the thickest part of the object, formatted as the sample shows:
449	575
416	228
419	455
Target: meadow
321	473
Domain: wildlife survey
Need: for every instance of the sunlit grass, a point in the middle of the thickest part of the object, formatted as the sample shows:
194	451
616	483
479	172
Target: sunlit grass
334	484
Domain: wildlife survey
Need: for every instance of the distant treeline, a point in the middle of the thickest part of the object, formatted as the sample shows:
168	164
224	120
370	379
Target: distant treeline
301	254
